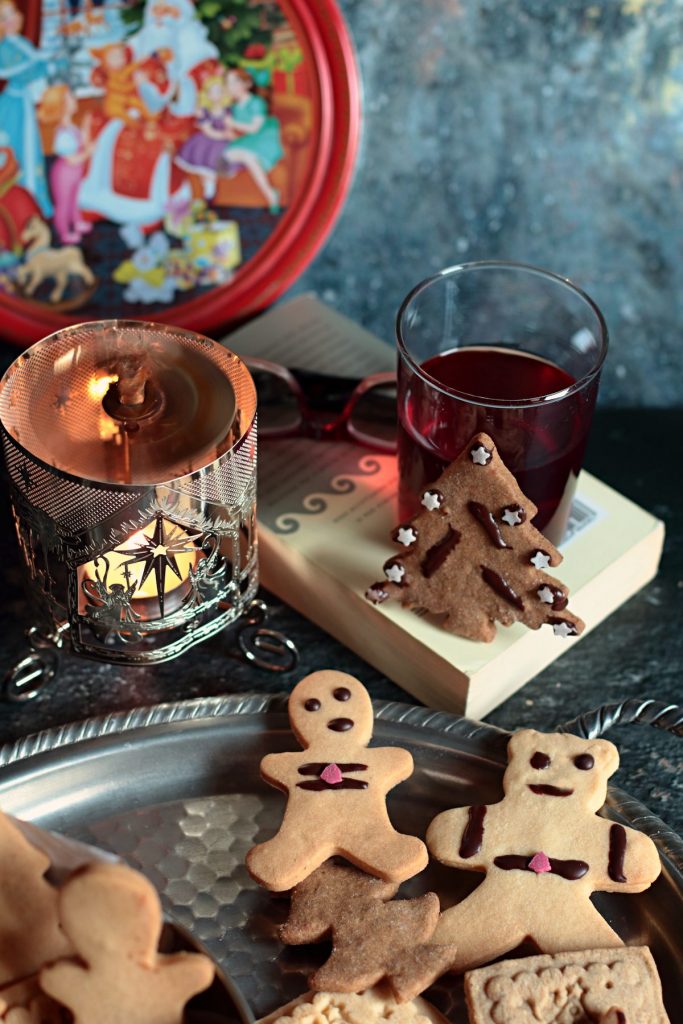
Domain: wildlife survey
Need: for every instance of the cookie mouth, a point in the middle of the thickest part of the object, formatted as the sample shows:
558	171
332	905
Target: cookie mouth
340	724
550	790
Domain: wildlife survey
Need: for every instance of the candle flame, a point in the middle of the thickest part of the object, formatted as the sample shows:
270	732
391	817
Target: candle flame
98	386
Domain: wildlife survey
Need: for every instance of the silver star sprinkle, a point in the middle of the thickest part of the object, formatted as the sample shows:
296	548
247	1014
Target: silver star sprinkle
563	629
540	560
395	572
432	500
546	595
480	456
406	536
512	516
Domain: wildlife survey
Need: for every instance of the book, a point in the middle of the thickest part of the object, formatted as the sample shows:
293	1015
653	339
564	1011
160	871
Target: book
326	510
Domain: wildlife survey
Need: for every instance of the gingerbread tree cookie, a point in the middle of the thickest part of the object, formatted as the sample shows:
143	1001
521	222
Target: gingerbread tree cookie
472	555
373	937
336	790
544	851
113	917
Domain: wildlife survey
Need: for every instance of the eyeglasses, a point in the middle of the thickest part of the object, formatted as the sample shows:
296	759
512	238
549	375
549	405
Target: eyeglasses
300	403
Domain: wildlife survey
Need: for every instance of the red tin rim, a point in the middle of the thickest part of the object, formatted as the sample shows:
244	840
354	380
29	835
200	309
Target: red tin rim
305	226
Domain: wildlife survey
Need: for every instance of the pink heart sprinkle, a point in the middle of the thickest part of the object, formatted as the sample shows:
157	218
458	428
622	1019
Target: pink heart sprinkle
333	776
539	863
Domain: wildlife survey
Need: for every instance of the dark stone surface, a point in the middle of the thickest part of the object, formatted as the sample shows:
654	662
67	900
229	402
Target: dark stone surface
637	652
539	131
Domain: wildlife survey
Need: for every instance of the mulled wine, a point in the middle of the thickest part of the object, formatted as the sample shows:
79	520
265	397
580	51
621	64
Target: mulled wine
525	402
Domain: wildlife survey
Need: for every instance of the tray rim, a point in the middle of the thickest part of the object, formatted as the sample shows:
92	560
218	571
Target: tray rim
203	708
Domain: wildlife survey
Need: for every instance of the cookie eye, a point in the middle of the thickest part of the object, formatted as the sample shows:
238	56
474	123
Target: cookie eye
341	693
540	760
312	704
584	761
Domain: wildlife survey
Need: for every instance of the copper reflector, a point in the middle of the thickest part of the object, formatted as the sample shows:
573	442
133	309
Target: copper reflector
131	452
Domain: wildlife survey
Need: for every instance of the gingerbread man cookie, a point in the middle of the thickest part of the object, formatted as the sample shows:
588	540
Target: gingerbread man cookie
373	937
23	1002
544	852
112	915
30	934
336	789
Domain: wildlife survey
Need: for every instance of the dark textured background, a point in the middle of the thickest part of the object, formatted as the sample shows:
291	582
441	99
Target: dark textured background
534	130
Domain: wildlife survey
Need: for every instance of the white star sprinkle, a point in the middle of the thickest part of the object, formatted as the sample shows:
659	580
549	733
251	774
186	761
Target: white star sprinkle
395	572
376	594
406	536
512	516
563	629
432	500
546	595
540	560
480	456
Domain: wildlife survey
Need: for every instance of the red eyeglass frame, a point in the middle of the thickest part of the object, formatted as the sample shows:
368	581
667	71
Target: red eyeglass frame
316	424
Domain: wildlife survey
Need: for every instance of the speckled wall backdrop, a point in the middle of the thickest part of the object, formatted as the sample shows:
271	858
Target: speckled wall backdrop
546	131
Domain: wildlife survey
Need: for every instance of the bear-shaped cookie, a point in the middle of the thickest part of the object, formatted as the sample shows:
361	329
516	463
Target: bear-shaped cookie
336	790
112	915
544	851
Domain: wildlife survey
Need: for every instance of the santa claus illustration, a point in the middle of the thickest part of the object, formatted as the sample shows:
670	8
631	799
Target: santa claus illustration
131	177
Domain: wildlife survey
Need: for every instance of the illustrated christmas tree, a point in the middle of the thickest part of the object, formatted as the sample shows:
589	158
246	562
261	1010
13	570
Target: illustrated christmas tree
472	555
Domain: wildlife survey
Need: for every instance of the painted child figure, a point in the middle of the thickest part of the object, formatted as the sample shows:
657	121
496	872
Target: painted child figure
336	790
544	851
203	153
72	147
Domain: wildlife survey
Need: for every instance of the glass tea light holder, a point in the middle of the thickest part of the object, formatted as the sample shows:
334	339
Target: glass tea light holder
131	454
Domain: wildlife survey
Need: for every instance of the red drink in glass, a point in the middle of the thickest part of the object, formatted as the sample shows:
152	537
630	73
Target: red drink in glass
532	394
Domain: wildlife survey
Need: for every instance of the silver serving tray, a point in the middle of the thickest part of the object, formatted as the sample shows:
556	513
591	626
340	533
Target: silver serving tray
175	790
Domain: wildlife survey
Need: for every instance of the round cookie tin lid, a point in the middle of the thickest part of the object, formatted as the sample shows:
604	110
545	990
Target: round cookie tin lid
179	162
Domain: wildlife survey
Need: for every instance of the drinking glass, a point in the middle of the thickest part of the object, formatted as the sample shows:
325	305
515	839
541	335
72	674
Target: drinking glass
508	349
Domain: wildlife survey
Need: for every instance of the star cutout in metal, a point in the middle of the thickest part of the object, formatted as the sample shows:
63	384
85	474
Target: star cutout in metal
61	400
25	474
158	553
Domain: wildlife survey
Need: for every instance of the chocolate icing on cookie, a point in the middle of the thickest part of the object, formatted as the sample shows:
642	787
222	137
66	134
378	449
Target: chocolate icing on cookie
473	836
501	587
487	520
438	554
617	852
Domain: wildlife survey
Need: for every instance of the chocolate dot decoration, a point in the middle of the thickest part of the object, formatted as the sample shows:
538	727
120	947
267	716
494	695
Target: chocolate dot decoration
341	693
584	762
540	760
312	704
340	724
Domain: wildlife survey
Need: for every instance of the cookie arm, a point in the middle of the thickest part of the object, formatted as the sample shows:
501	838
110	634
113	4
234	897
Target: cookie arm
63	980
632	862
396	763
277	769
458	837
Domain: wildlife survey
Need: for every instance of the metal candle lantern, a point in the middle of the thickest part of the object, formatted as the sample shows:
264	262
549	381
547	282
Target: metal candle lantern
131	453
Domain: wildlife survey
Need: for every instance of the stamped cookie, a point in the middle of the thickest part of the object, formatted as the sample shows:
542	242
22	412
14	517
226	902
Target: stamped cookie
112	915
544	851
472	555
336	790
374	938
376	1006
30	934
612	986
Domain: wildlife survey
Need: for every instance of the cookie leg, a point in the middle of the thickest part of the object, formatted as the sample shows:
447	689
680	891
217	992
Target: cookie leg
287	858
580	927
484	926
387	854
